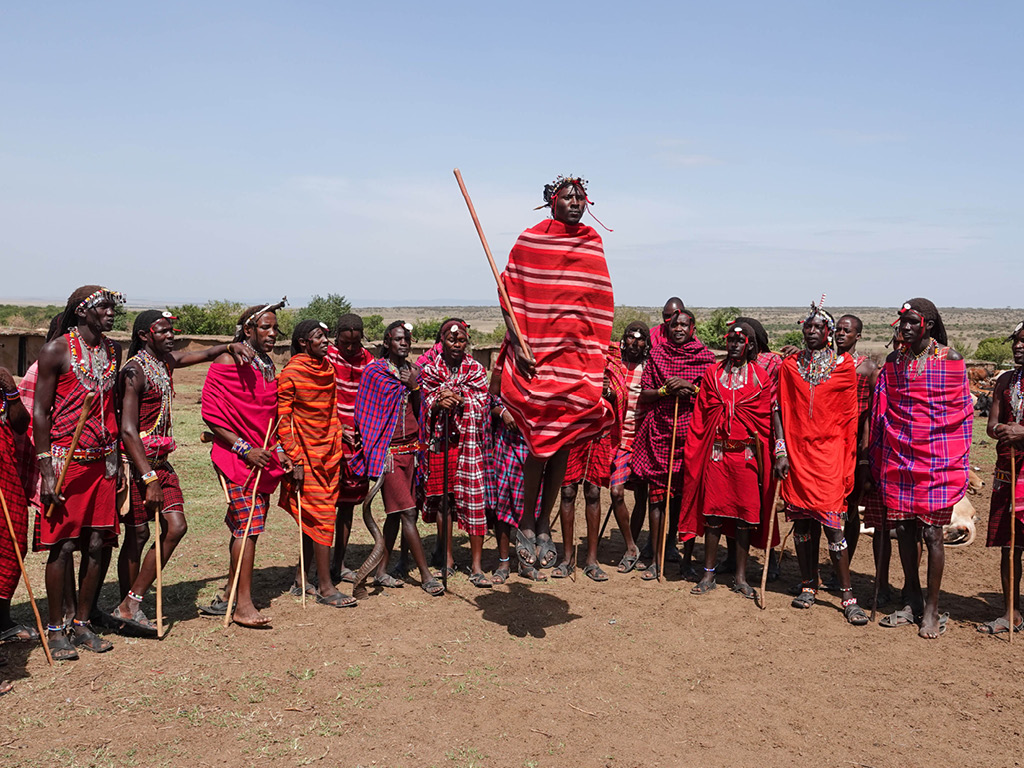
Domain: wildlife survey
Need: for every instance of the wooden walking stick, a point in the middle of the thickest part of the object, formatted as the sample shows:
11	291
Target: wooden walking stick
768	543
1013	530
302	551
444	504
494	268
82	418
159	547
245	536
668	492
24	575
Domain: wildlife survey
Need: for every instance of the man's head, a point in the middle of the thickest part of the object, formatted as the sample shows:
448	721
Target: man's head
567	198
920	320
681	327
348	335
92	306
397	340
454	338
673	305
760	334
740	344
1017	344
310	336
848	331
258	326
636	341
154	331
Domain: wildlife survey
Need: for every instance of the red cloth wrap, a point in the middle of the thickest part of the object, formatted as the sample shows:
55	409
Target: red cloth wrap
822	447
91	504
237	398
561	295
592	460
14	496
744	485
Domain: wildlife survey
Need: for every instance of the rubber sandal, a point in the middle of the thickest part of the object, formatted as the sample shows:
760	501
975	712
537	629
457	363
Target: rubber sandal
702	588
217	607
650	573
855	615
500	574
746	590
137	626
805	599
6	687
337	600
13	634
901	618
433	587
90	640
531	573
594	572
999	626
479	579
294	590
545	548
562	571
448	572
389	581
526	548
347	575
628	562
61	648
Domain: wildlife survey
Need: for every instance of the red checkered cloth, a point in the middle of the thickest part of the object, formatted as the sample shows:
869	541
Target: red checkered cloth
510	454
347	373
472	422
24	447
620	468
591	460
379	408
653	442
561	294
239	499
999	510
633	414
14	496
99	435
863	386
830	519
174	500
874	515
921	436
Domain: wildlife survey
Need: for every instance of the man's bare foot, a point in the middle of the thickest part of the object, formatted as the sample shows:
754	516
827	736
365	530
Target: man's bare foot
932	625
250	617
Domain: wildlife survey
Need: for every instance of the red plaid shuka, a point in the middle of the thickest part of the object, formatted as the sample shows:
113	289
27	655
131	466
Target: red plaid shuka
14	495
999	510
921	436
863	386
653	441
239	499
561	295
24	447
592	460
347	373
380	404
471	421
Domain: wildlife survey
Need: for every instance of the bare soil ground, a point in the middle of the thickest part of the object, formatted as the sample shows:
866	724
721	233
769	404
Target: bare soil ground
620	674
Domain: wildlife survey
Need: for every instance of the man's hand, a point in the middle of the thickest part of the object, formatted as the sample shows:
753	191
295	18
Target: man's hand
1009	433
298	475
259	458
790	349
240	352
48	490
154	498
526	364
286	463
508	421
408	376
782	467
676	385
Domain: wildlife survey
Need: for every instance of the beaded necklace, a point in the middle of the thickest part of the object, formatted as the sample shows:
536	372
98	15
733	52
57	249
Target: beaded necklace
1017	395
94	367
261	362
815	367
915	364
158	375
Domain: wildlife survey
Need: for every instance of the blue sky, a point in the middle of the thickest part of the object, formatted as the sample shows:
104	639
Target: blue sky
745	153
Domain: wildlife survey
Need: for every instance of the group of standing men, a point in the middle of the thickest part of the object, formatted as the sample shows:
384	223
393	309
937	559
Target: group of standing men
702	444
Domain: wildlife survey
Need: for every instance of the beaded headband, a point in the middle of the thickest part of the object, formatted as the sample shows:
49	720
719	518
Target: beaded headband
818	310
551	190
255	316
451	325
98	297
1013	336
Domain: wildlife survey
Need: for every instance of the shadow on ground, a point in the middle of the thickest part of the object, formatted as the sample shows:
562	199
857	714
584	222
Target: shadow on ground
523	612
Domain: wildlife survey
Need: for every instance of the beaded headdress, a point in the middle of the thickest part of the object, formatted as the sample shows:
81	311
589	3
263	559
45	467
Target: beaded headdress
1018	329
818	310
255	316
98	297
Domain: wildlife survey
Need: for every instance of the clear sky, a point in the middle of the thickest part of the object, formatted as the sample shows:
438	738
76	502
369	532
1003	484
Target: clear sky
745	153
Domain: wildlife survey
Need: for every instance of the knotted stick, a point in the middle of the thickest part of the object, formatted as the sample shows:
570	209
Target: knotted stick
82	418
24	575
665	514
302	551
494	268
245	536
1013	530
768	543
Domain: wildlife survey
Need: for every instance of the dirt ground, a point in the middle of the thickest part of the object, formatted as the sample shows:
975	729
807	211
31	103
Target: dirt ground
620	674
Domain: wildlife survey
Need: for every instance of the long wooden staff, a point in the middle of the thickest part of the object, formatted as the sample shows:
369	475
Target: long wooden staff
665	515
159	547
444	502
245	536
82	417
209	437
24	575
1013	529
302	551
494	267
768	543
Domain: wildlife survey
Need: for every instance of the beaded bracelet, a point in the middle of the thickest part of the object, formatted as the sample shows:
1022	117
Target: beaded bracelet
241	447
149	477
44	455
780	447
16	394
663	391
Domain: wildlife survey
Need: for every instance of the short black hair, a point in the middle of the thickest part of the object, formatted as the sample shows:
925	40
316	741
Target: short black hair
349	322
858	324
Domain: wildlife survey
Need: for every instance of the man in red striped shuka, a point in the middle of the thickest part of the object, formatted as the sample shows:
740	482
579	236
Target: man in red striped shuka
561	295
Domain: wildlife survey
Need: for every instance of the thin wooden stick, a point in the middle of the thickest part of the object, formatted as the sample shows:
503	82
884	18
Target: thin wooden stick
208	437
245	536
668	492
768	543
494	267
302	552
159	547
1013	530
24	575
82	417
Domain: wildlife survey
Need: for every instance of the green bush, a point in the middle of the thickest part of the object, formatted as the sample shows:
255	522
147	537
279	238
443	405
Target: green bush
966	350
626	315
995	349
790	339
373	327
326	309
712	330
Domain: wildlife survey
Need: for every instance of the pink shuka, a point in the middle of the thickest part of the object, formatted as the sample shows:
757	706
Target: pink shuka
561	294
